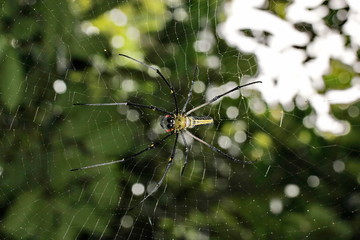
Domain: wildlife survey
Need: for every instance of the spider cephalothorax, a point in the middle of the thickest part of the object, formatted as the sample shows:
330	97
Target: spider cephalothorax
175	123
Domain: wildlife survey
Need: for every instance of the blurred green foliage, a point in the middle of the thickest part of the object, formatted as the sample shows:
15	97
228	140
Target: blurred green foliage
43	135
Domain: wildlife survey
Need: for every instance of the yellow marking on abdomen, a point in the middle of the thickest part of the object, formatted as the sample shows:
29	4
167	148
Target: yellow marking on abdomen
197	121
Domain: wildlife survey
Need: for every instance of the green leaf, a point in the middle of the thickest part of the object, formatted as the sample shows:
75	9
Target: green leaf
87	218
25	28
20	218
105	191
9	8
11	80
3	45
112	139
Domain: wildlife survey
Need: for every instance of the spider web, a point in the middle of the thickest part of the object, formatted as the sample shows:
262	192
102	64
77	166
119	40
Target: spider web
299	127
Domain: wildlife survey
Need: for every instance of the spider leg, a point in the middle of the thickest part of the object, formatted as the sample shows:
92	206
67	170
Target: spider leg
220	96
191	88
186	152
151	146
125	104
158	184
216	149
172	92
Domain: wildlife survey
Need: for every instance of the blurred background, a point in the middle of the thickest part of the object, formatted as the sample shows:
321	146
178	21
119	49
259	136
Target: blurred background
300	127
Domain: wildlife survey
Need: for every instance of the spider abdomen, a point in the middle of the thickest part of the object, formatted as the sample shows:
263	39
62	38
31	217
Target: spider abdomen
194	121
182	122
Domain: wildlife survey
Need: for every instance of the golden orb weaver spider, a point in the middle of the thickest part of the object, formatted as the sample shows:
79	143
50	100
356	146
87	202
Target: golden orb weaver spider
176	122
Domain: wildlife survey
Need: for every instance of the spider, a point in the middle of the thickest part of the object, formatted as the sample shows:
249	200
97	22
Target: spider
177	122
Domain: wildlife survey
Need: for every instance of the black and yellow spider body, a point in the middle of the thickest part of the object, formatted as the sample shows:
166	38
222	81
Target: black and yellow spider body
181	122
175	123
